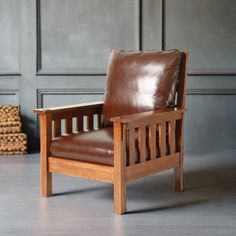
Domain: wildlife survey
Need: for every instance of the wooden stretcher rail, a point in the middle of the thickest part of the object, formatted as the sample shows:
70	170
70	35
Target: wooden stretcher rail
152	166
82	169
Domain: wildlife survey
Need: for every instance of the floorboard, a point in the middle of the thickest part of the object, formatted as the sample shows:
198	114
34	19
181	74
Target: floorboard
84	207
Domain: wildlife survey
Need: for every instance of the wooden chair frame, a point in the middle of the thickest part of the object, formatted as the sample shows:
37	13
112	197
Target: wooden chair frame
168	155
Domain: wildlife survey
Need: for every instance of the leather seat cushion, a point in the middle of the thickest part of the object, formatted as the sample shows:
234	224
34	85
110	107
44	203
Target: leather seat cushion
94	146
140	81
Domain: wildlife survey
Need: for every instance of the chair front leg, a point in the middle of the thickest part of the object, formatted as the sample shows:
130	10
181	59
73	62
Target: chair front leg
46	181
119	171
119	194
45	136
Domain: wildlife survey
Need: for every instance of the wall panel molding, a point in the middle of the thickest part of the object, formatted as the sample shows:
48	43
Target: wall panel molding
100	91
38	37
9	91
194	71
163	25
2	73
212	72
41	64
13	93
66	91
211	91
40	71
10	15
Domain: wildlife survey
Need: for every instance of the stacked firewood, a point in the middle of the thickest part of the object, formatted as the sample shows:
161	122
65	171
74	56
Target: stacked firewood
12	140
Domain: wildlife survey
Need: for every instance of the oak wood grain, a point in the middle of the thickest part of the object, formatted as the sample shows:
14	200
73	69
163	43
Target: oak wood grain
57	128
45	140
152	166
119	171
131	146
152	141
80	123
142	143
68	125
68	108
171	136
82	169
162	138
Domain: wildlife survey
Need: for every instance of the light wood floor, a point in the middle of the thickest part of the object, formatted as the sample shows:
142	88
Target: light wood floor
84	207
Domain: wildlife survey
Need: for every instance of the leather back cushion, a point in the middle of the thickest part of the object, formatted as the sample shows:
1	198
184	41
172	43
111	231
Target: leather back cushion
140	81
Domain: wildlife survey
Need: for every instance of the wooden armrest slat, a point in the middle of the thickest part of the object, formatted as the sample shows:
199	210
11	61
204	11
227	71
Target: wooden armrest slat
152	141
124	142
150	116
68	125
99	120
172	136
57	128
162	138
75	113
80	125
90	121
131	147
142	143
77	107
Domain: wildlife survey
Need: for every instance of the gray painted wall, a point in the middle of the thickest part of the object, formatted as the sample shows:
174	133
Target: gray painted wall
55	52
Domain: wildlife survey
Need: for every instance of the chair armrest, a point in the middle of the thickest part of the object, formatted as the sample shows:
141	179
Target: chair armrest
159	114
69	108
164	129
92	111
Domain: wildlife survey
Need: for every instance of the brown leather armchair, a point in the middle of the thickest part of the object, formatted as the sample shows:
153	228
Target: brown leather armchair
137	131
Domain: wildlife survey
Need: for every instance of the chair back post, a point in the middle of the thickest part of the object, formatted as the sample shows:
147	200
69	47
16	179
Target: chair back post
181	98
182	87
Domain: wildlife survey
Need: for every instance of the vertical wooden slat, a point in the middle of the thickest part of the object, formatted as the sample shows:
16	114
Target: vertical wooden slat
80	126
68	125
99	122
162	138
131	146
124	138
172	136
74	126
152	141
52	129
85	123
142	143
57	128
90	121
